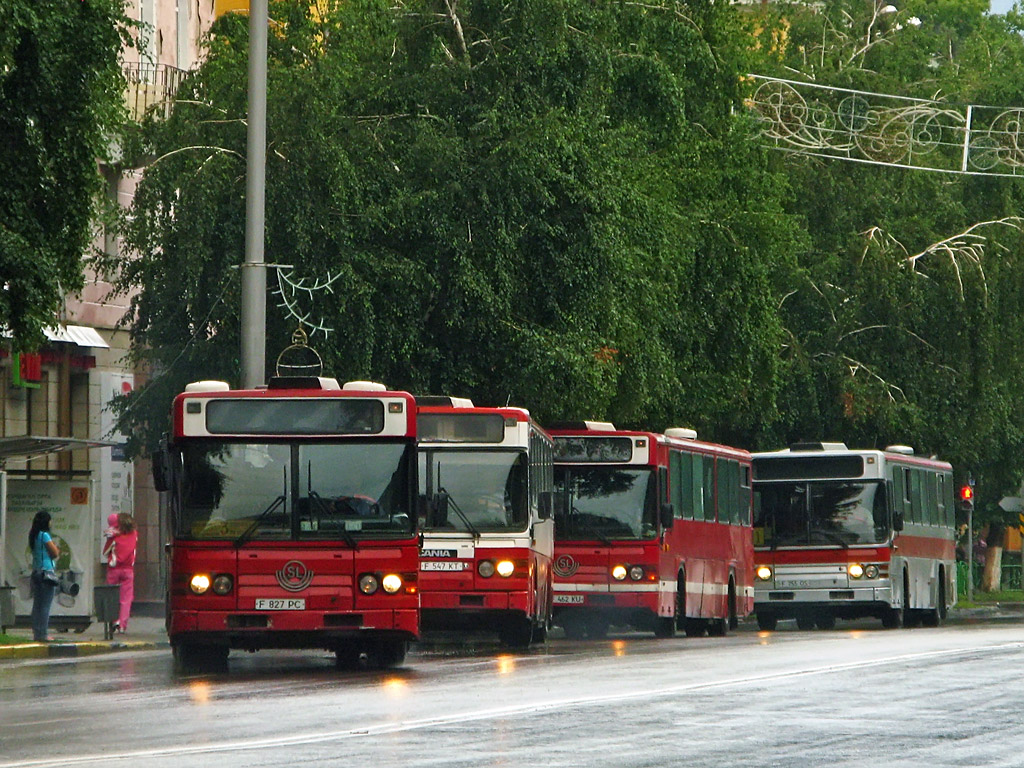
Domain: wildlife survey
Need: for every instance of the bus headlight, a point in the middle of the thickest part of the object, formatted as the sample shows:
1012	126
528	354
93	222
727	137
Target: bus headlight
200	583
222	584
368	584
636	573
505	568
871	571
485	569
764	573
391	583
619	572
856	570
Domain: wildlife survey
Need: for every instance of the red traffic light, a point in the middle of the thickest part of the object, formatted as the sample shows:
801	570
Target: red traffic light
966	493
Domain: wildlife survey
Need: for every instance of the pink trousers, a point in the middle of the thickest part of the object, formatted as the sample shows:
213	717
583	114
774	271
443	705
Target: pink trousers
123	575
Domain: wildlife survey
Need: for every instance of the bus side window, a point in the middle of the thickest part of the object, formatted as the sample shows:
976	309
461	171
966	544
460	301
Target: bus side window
697	486
710	497
745	497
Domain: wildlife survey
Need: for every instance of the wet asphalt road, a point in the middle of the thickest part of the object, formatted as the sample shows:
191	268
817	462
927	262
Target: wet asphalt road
952	696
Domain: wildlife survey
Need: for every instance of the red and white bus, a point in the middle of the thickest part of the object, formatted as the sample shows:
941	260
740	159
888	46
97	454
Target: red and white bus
843	534
488	536
651	531
293	520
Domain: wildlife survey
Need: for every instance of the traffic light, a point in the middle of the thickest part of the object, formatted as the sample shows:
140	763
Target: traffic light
966	497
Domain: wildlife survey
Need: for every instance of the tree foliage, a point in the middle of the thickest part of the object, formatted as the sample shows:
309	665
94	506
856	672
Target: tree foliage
552	203
893	340
61	99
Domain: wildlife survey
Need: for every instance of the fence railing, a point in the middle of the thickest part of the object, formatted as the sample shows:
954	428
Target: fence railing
1010	577
151	88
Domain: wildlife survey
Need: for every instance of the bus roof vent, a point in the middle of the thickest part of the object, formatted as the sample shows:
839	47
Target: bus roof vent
906	450
812	446
683	433
365	386
302	382
208	386
444	400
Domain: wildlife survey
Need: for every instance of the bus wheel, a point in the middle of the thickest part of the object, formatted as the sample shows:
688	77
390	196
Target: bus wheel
825	621
718	627
767	622
389	654
695	627
597	629
805	622
348	655
540	632
191	657
574	628
517	632
665	626
892	618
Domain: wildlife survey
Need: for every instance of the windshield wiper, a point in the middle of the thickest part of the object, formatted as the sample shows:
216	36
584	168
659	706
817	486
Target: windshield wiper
835	538
318	501
247	533
462	515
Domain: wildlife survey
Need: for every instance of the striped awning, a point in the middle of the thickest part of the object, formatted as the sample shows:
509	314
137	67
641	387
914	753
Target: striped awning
82	335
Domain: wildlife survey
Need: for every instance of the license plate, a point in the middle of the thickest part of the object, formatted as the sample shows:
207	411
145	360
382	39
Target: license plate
567	599
442	565
274	604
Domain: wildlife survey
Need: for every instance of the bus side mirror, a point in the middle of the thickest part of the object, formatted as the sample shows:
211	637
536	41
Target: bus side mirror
897	521
668	516
544	503
161	481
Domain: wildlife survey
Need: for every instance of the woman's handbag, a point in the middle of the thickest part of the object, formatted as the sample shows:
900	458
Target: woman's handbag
50	577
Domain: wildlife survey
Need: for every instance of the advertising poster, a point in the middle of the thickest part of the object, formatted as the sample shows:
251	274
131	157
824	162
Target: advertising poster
73	528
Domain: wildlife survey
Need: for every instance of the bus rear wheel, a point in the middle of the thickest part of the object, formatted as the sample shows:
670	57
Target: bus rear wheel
935	616
805	622
767	622
825	621
695	627
389	654
517	632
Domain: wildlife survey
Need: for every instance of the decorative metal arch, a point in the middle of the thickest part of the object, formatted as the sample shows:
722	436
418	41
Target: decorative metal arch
881	129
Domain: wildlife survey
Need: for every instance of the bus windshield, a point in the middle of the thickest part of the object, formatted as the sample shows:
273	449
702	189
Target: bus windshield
816	513
484	491
283	491
604	503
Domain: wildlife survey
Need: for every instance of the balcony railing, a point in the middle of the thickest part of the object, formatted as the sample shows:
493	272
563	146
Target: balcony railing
151	88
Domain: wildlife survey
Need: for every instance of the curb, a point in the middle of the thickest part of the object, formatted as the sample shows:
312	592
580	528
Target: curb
74	650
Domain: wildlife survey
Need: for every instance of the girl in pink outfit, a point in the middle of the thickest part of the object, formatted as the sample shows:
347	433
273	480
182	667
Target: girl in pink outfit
108	536
122	548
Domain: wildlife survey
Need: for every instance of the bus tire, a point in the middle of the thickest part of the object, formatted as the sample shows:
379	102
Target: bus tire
718	627
348	655
389	654
597	628
574	628
665	626
195	657
517	632
805	622
767	622
825	621
696	627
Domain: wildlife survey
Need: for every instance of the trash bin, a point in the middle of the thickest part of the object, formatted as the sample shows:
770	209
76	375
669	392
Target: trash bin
106	600
6	608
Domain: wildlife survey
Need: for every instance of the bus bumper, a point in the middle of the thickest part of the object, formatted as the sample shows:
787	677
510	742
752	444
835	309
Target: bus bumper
254	630
843	603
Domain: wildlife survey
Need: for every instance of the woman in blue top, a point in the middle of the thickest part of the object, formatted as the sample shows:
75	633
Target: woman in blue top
44	556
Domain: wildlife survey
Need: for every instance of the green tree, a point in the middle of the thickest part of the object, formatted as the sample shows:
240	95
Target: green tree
553	203
61	101
903	324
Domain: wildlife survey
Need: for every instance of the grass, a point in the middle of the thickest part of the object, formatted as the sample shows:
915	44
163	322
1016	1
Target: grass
988	598
14	639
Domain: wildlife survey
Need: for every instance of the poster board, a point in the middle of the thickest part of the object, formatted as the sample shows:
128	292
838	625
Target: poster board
73	526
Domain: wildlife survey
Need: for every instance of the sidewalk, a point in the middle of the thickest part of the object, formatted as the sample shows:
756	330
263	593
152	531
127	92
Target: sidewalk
144	633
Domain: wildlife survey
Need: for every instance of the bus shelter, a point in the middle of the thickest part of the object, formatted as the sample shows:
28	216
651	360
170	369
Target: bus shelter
71	504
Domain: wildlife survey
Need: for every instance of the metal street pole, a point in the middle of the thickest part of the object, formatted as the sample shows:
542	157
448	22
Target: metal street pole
254	271
970	554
